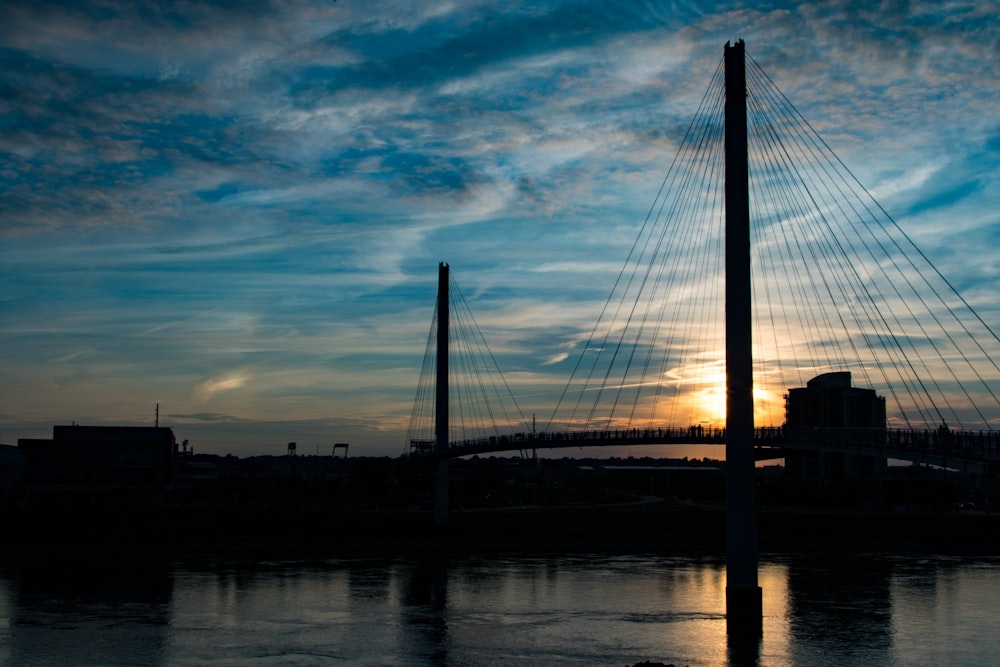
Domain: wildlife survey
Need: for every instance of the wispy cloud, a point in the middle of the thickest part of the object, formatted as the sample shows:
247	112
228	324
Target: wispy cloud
209	388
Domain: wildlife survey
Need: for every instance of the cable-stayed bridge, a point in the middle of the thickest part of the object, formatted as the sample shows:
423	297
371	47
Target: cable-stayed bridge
762	262
835	285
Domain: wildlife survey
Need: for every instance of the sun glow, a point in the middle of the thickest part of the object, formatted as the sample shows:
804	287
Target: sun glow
706	397
710	403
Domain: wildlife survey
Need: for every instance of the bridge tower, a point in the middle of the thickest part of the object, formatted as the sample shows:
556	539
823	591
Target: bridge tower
744	599
441	428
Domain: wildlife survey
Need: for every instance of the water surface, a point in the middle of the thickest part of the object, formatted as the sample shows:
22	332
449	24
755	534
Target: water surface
507	610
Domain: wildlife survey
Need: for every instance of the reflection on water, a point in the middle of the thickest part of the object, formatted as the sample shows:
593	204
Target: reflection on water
86	614
425	599
599	609
840	608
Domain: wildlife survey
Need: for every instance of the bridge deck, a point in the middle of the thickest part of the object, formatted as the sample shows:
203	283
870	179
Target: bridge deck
931	446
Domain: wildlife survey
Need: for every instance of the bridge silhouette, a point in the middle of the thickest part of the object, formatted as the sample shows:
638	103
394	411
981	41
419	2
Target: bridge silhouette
836	285
763	261
974	452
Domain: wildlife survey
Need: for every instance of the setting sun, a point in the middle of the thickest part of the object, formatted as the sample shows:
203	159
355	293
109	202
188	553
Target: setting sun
700	398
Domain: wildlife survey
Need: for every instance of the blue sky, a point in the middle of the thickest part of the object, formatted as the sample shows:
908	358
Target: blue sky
237	209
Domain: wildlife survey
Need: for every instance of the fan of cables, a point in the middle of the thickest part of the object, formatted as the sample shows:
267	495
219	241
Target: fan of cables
836	284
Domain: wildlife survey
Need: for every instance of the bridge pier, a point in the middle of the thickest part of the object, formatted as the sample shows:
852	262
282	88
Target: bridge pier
441	493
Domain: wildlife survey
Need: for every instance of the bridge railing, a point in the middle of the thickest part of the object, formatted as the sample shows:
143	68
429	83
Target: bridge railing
668	435
979	445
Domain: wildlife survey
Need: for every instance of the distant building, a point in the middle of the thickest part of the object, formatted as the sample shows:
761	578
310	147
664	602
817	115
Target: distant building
100	463
830	401
11	466
828	410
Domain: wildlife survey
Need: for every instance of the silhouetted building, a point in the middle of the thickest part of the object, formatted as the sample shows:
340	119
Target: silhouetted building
829	400
834	416
11	466
100	463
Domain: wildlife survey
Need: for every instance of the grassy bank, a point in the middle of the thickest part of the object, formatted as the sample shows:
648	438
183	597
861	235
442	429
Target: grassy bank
665	527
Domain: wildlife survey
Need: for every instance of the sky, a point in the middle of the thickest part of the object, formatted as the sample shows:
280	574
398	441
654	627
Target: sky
235	211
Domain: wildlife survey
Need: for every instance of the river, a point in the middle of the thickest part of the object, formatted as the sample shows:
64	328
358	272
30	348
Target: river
596	609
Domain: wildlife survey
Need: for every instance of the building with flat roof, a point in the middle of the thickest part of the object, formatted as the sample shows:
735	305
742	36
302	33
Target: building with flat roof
98	463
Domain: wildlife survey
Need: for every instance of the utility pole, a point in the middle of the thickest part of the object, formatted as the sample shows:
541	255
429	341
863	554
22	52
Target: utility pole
744	606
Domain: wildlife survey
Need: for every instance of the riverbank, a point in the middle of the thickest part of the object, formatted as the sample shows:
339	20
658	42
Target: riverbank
666	528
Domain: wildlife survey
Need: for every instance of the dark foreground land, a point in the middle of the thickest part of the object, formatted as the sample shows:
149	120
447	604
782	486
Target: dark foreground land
331	532
332	506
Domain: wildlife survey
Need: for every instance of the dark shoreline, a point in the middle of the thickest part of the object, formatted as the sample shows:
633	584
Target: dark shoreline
324	533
